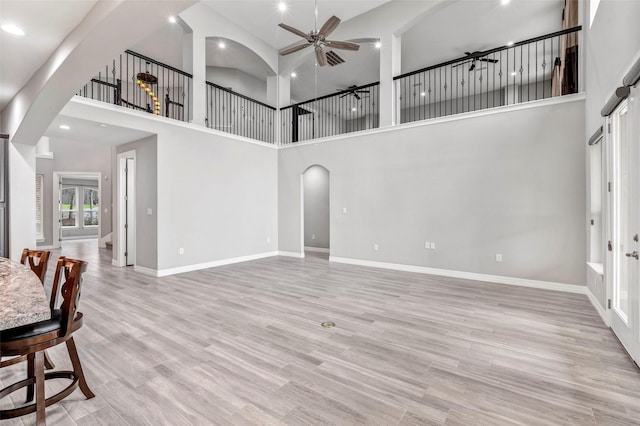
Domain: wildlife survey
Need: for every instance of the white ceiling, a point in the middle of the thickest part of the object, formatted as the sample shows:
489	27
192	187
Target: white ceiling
261	17
92	132
45	23
445	34
459	26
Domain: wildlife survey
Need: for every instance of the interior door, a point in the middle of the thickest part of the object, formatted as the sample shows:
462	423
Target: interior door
625	207
130	230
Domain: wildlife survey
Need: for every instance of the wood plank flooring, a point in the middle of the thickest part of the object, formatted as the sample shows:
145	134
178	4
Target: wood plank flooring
242	345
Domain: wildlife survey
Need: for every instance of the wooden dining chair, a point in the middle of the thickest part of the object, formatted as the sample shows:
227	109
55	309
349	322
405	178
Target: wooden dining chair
32	340
38	260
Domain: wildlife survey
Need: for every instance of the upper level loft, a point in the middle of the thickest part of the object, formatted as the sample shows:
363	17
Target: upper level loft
355	77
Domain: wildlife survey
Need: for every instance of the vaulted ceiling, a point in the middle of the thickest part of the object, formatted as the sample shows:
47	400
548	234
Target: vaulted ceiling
454	27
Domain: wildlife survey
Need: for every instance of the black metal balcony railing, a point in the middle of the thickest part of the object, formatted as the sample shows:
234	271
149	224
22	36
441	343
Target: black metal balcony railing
533	69
139	82
234	113
347	111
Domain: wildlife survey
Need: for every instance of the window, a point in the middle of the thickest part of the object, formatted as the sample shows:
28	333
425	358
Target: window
90	207
69	208
39	199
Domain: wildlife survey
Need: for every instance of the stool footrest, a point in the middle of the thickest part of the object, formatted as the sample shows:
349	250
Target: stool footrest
31	408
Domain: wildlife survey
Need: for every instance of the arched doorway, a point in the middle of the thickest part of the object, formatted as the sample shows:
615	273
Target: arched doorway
316	217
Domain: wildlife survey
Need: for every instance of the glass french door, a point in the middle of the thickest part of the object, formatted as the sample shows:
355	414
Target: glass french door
625	226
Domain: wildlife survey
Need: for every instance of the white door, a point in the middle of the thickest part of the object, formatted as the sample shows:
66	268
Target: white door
126	222
625	227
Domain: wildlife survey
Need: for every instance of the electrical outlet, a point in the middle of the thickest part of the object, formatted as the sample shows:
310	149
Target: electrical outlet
375	247
498	257
313	236
149	212
181	250
433	245
268	239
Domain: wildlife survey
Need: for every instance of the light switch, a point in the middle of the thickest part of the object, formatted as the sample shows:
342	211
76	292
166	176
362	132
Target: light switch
149	212
106	210
344	210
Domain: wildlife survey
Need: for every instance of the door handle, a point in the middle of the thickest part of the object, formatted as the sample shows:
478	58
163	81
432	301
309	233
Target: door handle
634	255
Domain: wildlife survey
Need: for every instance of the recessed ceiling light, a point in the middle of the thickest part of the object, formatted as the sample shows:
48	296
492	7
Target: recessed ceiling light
282	6
354	109
423	94
12	29
294	75
504	2
103	125
221	45
510	44
513	74
64	127
378	45
172	19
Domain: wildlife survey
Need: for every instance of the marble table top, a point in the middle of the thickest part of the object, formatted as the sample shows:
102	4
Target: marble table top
22	296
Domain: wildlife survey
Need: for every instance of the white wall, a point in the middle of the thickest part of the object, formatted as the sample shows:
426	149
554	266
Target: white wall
239	82
216	193
510	181
217	198
316	207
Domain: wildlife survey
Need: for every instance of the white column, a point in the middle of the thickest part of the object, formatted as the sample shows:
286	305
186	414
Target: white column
187	62
42	148
22	204
284	99
390	66
199	61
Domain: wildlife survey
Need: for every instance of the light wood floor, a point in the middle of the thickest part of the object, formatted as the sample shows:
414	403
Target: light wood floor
242	344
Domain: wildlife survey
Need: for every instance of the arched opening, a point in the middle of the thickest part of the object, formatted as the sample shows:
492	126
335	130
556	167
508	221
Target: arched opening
236	67
316	216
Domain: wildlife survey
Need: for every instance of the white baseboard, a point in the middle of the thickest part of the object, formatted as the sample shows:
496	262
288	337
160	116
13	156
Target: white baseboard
114	262
104	240
146	271
601	311
196	267
80	237
316	249
523	282
291	254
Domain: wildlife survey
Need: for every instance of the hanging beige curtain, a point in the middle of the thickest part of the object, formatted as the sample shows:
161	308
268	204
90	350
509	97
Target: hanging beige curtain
568	69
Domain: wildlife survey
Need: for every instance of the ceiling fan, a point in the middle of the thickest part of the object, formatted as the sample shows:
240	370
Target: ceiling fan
475	56
318	39
352	90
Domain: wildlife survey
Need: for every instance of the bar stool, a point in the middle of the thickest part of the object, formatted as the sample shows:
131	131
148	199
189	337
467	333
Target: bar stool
38	262
39	267
32	340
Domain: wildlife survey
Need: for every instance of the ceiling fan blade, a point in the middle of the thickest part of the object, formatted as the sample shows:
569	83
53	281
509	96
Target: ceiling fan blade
362	91
493	61
293	30
342	96
472	67
321	56
329	26
356	95
345	45
293	49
